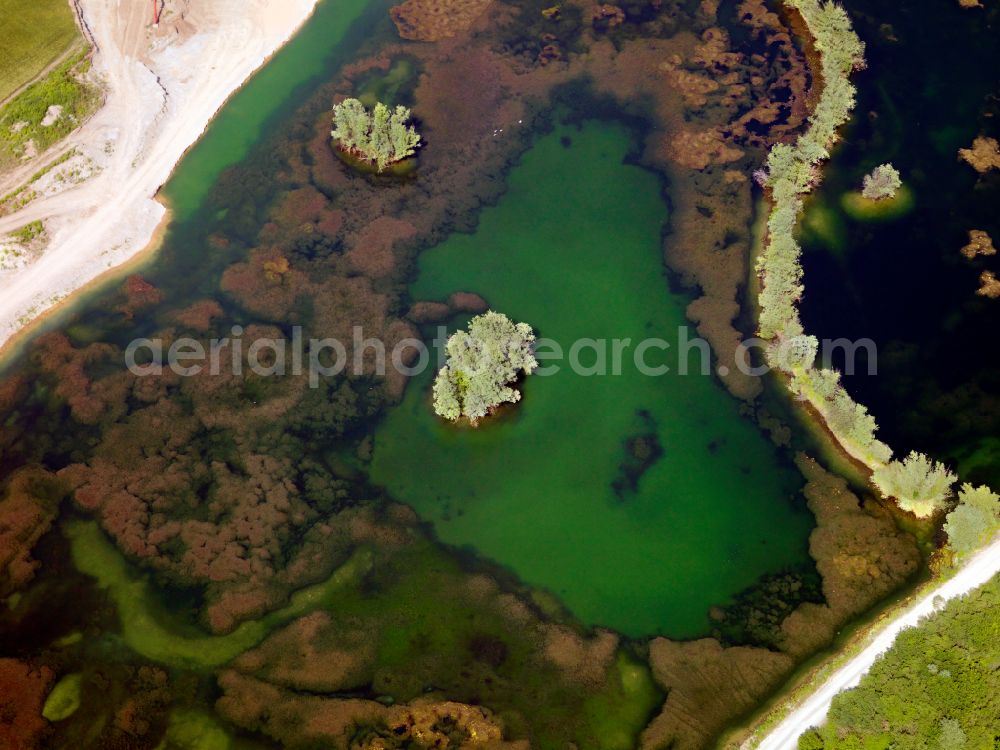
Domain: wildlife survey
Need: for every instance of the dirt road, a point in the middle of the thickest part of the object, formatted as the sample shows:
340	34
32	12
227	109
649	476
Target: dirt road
163	87
977	571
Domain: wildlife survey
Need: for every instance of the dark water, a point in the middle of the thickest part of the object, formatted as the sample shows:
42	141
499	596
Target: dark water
931	87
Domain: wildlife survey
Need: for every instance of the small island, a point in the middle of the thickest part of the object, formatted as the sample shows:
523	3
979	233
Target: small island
883	197
379	138
882	183
482	364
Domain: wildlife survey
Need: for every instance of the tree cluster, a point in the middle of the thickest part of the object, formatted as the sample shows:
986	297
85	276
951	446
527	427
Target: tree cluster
482	363
846	418
974	522
792	171
381	136
920	485
937	688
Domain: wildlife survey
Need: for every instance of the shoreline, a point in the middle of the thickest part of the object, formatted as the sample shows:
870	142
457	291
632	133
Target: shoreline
834	53
125	199
13	346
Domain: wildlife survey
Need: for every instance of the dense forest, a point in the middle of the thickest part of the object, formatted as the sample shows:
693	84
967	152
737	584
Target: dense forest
938	687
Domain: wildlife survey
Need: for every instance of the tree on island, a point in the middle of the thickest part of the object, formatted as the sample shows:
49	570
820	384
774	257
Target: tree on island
381	137
482	363
882	183
921	486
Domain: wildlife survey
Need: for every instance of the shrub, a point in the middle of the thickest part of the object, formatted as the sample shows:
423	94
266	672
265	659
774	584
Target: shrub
381	137
29	232
974	521
482	363
847	419
921	486
67	87
882	183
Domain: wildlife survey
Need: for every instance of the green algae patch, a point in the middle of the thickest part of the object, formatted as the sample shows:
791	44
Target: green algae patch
194	730
538	489
386	87
616	717
860	208
68	640
157	634
824	224
400	169
430	624
64	699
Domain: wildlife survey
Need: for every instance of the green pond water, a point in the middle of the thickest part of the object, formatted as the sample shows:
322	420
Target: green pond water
573	248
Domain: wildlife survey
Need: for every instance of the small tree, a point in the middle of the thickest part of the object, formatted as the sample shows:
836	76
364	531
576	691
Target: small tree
351	125
882	183
381	137
447	394
921	486
482	363
952	737
974	522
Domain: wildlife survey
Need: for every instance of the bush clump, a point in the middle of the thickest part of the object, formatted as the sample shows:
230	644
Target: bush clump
882	183
920	485
381	137
482	363
846	418
975	521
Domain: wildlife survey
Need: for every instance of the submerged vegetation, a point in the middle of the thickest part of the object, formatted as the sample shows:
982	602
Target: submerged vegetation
482	363
149	632
64	699
381	137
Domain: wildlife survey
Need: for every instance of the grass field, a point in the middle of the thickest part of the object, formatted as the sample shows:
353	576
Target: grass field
23	123
33	34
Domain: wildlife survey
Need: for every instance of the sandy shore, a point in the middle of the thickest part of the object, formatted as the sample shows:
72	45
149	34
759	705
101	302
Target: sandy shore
163	86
